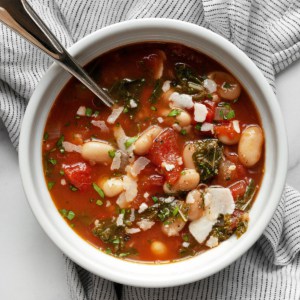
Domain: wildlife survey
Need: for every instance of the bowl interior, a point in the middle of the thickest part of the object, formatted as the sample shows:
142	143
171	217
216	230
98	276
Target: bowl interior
141	274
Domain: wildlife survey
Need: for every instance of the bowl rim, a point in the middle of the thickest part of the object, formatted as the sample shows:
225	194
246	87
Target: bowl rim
114	273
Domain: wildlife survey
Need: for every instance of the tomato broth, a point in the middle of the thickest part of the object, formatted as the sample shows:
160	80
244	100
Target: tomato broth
182	150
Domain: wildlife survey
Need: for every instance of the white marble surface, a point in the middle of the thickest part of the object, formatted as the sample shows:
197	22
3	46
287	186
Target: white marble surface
31	267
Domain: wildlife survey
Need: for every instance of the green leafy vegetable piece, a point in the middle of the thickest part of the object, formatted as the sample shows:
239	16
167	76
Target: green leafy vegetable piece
60	141
52	161
88	112
227	85
73	188
50	185
112	153
184	72
174	113
156	91
245	201
99	202
70	215
183	132
153	108
46	136
130	141
98	190
125	90
207	158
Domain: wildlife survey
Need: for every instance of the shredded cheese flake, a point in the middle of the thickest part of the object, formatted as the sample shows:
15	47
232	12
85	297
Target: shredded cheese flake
116	112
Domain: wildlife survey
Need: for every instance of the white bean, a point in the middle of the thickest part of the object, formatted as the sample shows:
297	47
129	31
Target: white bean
188	151
228	86
143	144
112	186
183	118
250	145
174	227
97	152
194	202
188	180
158	248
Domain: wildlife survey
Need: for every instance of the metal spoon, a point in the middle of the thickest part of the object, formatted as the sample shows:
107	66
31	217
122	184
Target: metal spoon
21	18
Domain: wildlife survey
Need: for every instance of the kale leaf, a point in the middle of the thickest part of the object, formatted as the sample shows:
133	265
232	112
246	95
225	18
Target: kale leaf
207	158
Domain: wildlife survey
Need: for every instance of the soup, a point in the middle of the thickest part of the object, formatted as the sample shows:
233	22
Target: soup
171	171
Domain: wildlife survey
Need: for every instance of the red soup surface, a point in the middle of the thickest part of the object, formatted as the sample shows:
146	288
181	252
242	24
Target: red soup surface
172	170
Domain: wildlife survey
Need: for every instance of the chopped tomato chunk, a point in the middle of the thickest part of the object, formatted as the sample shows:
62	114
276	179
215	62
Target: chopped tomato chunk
79	175
238	189
227	130
164	153
211	107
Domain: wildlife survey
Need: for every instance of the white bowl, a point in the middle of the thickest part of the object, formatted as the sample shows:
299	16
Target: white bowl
142	274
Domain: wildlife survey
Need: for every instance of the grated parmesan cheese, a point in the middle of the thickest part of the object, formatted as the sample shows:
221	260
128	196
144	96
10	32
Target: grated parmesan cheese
81	111
200	112
210	85
101	125
142	207
236	126
116	112
69	147
166	86
120	220
168	167
132	230
181	100
145	224
212	242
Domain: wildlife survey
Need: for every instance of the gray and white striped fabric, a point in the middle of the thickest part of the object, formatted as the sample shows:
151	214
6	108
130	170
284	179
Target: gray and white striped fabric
269	33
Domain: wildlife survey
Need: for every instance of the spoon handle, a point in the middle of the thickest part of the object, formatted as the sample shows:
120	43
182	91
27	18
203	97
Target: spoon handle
21	18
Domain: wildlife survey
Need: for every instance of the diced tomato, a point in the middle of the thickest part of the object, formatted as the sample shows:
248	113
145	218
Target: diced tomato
227	130
79	175
238	189
165	150
211	106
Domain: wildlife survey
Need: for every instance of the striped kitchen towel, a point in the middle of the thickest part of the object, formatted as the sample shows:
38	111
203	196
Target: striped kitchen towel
269	33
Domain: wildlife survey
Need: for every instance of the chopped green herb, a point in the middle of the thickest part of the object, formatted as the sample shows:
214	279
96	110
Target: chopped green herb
99	202
174	113
60	141
70	215
62	172
230	115
198	127
116	241
153	108
209	96
235	100
130	141
124	254
183	132
226	85
183	172
46	136
185	237
88	112
175	211
125	110
50	185
98	190
156	91
72	225
96	113
52	161
112	153
108	251
73	188
63	212
155	199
